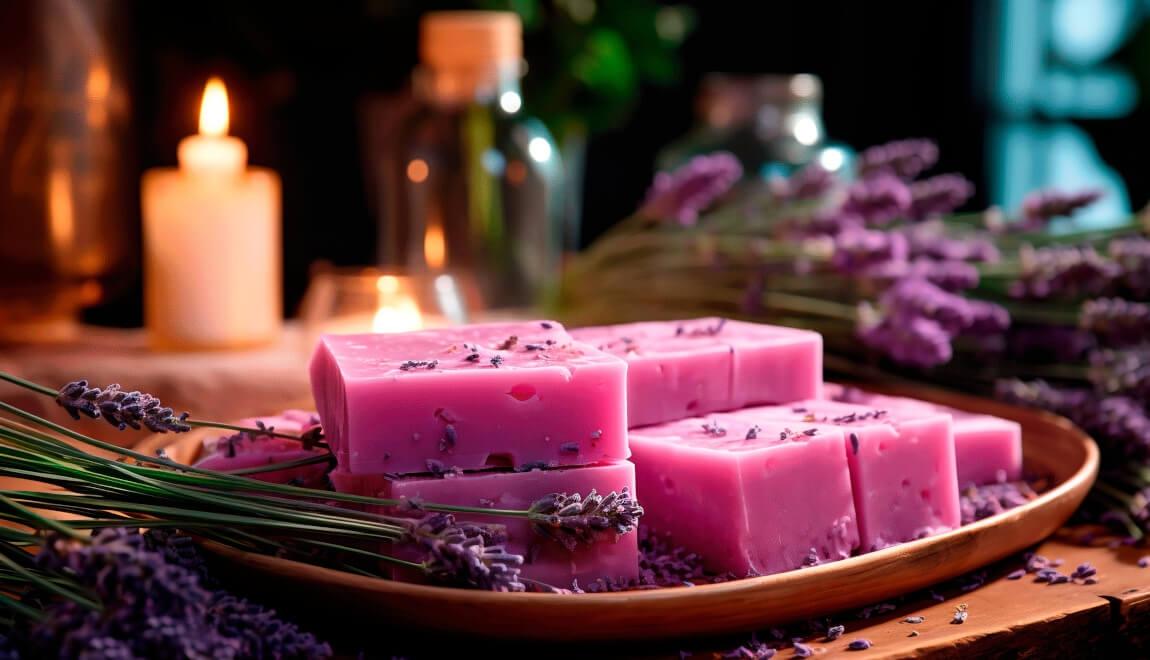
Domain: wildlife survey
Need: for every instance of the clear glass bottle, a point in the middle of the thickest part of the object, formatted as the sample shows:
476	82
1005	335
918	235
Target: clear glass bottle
473	188
772	123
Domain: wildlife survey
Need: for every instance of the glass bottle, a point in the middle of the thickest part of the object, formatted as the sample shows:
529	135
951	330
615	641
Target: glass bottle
772	123
473	188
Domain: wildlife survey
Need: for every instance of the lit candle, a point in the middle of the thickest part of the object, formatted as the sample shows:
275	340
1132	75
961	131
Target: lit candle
212	241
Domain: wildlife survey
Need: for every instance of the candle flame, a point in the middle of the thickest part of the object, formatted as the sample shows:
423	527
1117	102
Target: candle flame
396	310
214	109
434	247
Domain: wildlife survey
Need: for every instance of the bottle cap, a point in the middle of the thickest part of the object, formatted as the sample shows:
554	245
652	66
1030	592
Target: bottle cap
470	40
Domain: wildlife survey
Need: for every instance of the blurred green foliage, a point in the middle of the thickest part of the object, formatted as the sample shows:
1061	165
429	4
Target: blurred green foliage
588	59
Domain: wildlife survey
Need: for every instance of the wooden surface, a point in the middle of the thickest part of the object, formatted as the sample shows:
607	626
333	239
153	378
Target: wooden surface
1052	446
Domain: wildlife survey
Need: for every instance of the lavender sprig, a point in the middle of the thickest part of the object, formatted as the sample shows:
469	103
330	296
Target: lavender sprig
459	556
1042	206
905	159
862	251
1116	321
573	520
1132	255
939	195
682	194
119	408
878	200
1063	271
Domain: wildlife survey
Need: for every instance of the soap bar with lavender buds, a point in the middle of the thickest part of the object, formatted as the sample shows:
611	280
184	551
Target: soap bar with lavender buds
751	496
612	556
987	449
470	397
240	450
679	369
901	464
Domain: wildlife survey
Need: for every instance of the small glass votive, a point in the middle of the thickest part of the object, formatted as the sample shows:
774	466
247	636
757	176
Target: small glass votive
359	300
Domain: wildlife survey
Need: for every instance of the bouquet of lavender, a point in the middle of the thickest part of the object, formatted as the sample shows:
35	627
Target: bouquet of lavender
899	282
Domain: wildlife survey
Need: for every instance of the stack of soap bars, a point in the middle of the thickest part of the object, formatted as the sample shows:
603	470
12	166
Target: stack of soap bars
737	448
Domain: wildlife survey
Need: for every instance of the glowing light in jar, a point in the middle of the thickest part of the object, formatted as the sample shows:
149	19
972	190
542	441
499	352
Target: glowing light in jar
397	310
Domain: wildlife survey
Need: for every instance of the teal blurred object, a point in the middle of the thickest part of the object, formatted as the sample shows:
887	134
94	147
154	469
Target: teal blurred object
772	123
1050	64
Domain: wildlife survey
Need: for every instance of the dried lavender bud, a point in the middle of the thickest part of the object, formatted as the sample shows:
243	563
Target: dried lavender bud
569	448
458	558
546	325
753	432
802	650
1042	206
905	159
119	408
435	467
409	365
914	619
1143	562
939	195
682	194
497	361
854	438
913	633
859	645
959	617
450	436
834	632
533	465
1083	571
472	357
1016	575
596	434
713	429
812	558
534	347
978	502
572	520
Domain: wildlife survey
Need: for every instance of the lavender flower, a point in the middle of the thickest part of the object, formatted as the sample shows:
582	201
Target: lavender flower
978	502
905	159
947	275
859	645
119	408
1132	254
1124	371
682	194
457	558
878	200
911	298
939	195
152	608
929	240
1115	321
810	182
663	563
861	250
1063	271
917	342
572	520
1043	206
987	319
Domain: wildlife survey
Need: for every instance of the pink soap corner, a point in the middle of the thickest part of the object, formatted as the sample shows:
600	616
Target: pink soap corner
469	397
742	500
902	466
681	369
240	450
546	560
988	449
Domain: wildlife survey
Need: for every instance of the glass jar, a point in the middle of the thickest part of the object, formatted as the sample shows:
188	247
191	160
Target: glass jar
472	186
772	123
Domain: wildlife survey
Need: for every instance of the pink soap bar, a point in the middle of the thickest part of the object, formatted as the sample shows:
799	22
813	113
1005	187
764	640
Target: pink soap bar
901	464
751	496
546	560
679	369
241	450
987	449
493	395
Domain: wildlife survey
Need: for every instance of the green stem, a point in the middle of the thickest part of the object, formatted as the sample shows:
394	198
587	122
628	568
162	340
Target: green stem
286	465
48	585
27	384
39	520
20	608
252	431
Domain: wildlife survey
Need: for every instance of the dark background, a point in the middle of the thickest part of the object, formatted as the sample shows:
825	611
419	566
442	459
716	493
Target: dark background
298	73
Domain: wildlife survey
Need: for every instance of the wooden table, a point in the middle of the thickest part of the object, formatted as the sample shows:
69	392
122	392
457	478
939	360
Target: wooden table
1006	619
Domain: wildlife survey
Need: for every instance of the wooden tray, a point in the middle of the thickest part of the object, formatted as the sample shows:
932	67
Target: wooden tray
1051	445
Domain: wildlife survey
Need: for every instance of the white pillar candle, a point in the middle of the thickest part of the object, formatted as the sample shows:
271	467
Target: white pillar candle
212	242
